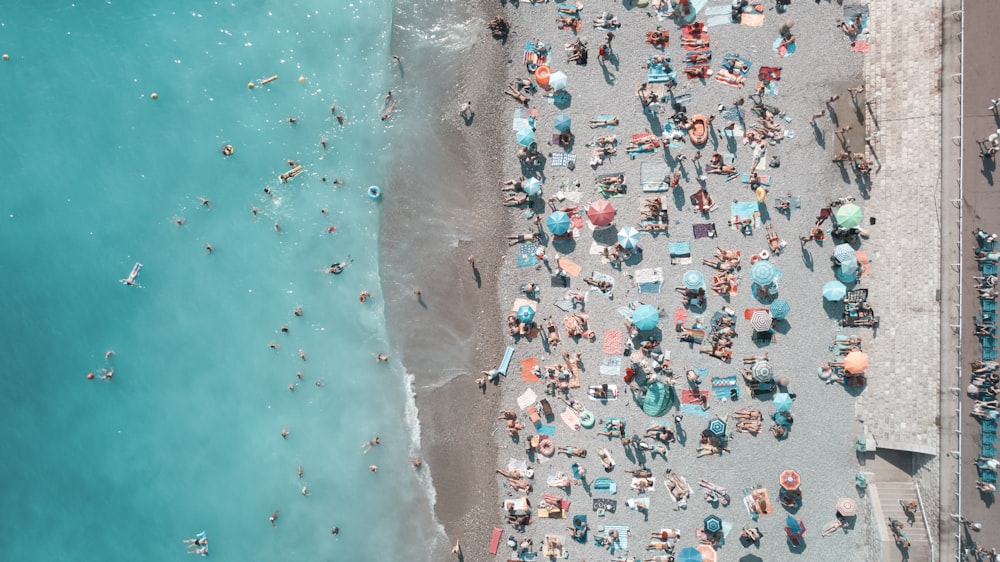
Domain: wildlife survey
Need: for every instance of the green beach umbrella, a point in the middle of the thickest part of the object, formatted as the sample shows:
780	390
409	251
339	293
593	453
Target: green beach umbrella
848	216
558	223
525	313
645	317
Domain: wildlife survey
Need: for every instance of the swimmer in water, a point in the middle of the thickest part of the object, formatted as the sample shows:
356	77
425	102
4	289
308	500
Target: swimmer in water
284	433
297	311
380	358
274	518
364	296
338	268
368	446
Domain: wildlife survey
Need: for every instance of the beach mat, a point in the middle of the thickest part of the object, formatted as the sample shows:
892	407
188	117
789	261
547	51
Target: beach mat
613	342
527	370
610	506
571	418
611	366
527	399
562	159
752	20
693	410
495	540
691	396
861	46
704	230
569	266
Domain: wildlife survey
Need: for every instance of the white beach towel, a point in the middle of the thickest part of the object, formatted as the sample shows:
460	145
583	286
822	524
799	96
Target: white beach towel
527	399
648	275
611	366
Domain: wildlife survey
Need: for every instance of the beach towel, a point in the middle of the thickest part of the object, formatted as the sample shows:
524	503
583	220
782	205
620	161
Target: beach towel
727	393
860	46
649	280
526	399
570	418
606	118
864	261
608	506
604	484
732	114
724	382
680	253
694	410
635	503
655	186
752	20
613	342
764	179
704	230
611	366
652	488
562	159
527	257
783	50
769	74
548	430
622	542
495	540
729	59
612	393
569	266
527	373
691	396
599	277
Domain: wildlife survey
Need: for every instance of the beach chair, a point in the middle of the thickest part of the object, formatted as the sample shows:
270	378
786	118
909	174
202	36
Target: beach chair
989	268
988	451
989	426
989	354
989	305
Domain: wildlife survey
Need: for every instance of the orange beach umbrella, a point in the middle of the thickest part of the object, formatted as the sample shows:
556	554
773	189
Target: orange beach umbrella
856	362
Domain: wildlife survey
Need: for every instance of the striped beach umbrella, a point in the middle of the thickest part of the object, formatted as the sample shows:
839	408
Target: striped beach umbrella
790	480
761	320
558	223
628	238
780	308
762	371
848	216
717	427
847	507
844	253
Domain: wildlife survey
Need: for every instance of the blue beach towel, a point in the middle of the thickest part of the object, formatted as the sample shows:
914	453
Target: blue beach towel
527	256
693	410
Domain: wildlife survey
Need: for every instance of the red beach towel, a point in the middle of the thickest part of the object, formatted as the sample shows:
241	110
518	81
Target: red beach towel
691	396
860	46
613	342
527	370
495	541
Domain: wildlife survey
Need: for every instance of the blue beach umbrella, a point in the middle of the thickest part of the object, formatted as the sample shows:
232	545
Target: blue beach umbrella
689	554
847	273
782	401
525	313
834	291
562	122
558	223
717	427
713	524
558	80
532	186
526	136
844	253
763	272
780	308
693	279
645	317
628	238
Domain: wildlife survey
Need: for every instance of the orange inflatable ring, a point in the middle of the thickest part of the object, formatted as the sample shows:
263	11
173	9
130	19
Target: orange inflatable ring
754	259
654	36
542	74
547	447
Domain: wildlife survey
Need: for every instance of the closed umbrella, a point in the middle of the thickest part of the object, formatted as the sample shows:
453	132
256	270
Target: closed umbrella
693	279
558	223
782	401
628	238
717	427
847	507
848	216
525	313
562	122
713	524
526	136
834	291
780	308
794	527
763	272
558	80
856	362
762	371
645	317
601	213
790	480
761	320
532	186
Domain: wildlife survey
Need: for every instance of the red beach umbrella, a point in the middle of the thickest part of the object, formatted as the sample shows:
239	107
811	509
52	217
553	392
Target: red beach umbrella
847	507
790	480
601	213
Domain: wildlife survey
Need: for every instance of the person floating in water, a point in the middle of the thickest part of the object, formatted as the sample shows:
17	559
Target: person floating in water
338	268
198	545
130	280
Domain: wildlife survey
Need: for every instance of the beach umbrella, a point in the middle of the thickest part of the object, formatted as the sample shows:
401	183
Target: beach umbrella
532	186
847	272
713	524
856	362
761	320
717	427
790	480
780	308
526	136
834	291
562	122
844	253
689	554
763	272
847	507
762	371
601	213
558	223
525	313
794	527
645	317
848	216
558	81
782	401
693	279
628	238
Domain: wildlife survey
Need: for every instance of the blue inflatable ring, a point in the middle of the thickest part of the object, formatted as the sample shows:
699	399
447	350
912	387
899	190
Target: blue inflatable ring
587	419
375	192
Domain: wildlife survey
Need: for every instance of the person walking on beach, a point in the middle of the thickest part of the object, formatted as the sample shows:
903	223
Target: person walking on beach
466	111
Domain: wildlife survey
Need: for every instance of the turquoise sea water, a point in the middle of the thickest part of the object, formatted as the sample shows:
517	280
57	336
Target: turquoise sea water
186	437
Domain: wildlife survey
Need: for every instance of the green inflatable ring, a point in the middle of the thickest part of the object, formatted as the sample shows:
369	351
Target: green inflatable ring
587	419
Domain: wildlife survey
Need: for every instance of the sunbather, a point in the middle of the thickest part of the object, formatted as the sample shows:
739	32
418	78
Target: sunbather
606	460
517	95
604	286
515	240
730	77
571	10
606	20
516	200
570	23
986	487
594	123
513	185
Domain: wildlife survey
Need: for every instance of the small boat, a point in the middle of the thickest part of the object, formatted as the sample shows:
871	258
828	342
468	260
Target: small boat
699	130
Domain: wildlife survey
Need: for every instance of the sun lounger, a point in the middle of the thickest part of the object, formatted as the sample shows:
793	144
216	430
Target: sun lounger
505	362
989	268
